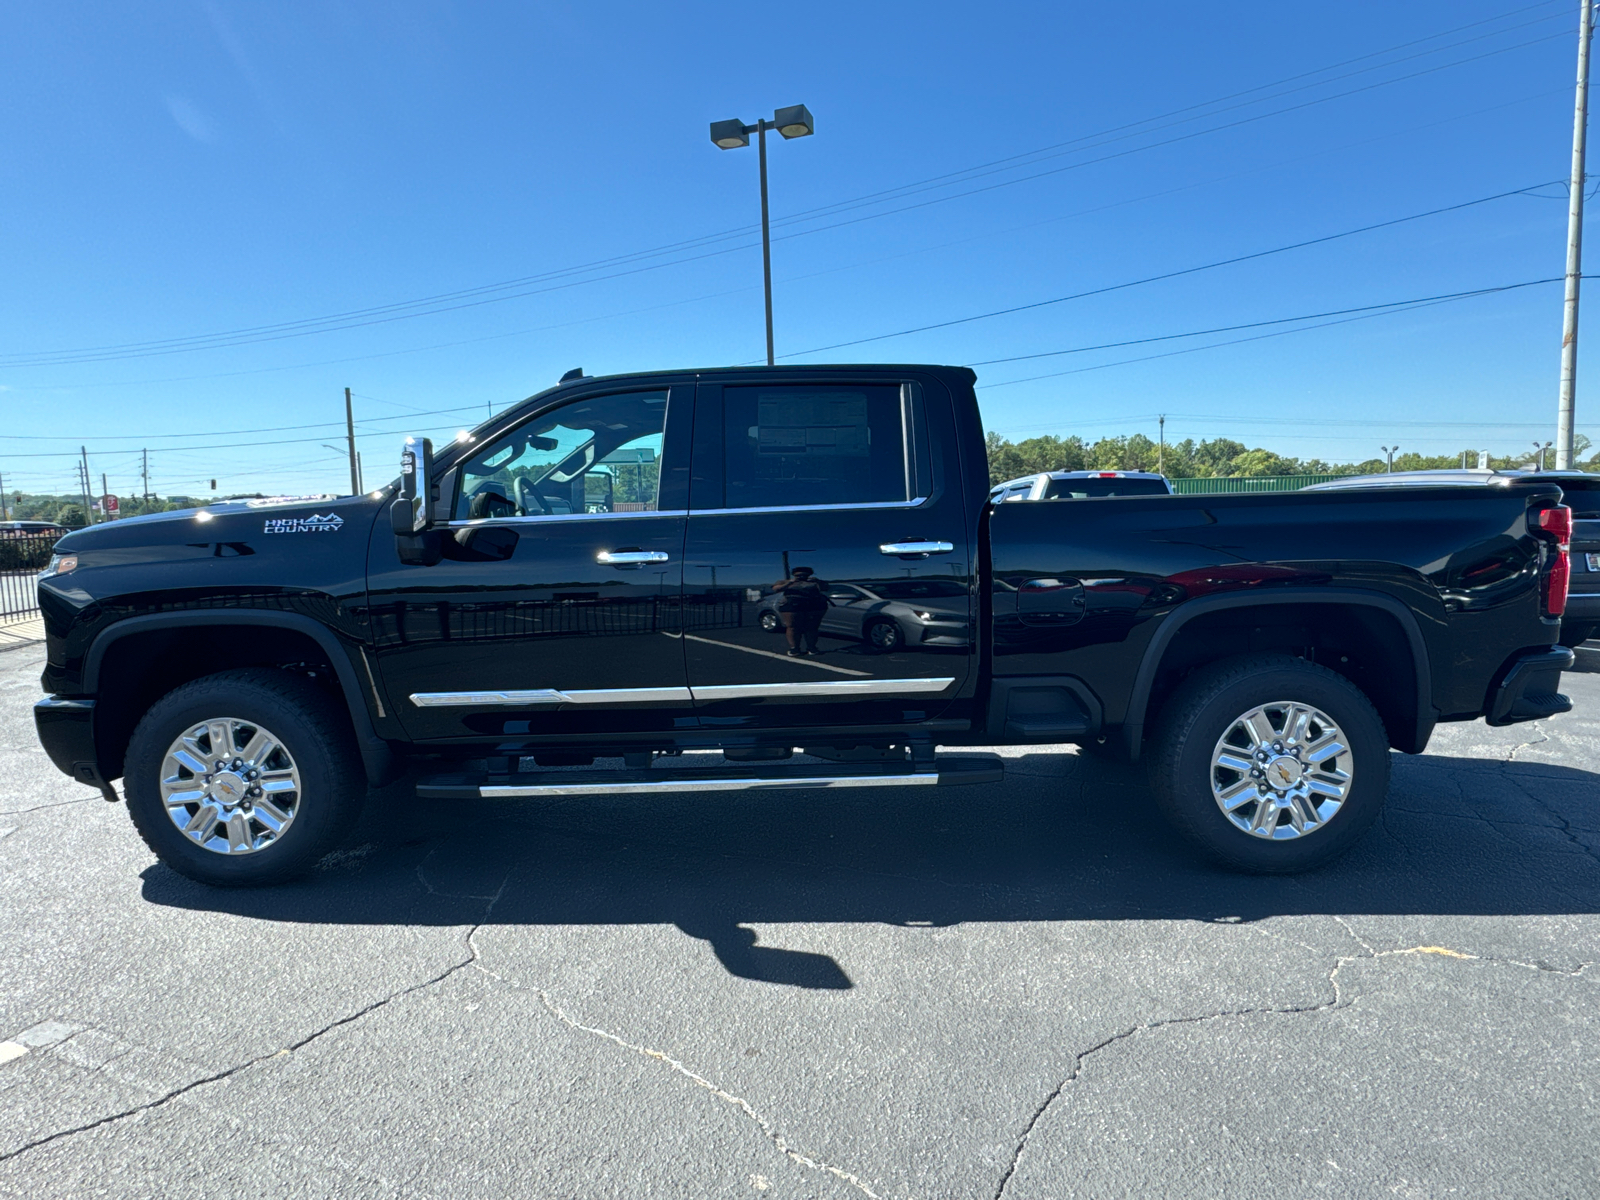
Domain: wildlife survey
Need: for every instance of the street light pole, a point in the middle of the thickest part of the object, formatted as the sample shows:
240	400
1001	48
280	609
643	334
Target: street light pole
792	122
1390	451
1569	315
766	232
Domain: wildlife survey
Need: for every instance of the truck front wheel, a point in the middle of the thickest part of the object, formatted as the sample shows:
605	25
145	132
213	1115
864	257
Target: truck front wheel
243	778
1270	763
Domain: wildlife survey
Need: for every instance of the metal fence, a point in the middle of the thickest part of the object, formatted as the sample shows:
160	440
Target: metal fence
22	557
1247	483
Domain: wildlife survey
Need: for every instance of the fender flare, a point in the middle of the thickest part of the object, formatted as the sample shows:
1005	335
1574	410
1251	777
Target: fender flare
1139	699
376	755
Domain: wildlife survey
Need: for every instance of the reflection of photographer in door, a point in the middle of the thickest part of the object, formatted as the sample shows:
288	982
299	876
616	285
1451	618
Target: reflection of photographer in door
805	599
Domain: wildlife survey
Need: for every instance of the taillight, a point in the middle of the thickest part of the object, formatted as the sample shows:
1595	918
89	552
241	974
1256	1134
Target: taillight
1556	522
1556	580
1110	474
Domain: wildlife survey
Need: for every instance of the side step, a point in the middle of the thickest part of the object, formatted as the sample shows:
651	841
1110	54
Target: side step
945	770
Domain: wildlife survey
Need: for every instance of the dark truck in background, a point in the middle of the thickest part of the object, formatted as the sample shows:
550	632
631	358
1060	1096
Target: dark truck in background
570	598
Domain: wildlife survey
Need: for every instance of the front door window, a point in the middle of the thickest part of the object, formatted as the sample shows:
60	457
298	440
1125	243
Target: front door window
597	455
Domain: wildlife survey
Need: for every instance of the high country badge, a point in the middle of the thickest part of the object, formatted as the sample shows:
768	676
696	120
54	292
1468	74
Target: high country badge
331	523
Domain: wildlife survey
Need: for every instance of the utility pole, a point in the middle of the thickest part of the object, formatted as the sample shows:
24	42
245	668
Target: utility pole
145	472
105	497
350	434
88	509
4	515
1569	315
360	487
1161	453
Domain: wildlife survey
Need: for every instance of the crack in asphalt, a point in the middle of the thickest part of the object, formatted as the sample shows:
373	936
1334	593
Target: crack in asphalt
293	1047
17	812
738	1102
1337	1002
1564	824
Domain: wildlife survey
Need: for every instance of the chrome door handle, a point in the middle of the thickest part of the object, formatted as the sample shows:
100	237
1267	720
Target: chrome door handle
631	558
916	548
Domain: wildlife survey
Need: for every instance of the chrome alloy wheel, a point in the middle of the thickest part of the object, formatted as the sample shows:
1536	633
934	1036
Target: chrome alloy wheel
230	786
1281	771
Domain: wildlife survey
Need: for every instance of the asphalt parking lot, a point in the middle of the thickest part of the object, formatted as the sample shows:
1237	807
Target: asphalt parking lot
1030	990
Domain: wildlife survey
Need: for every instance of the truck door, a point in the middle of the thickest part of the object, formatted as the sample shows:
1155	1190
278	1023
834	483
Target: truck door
809	497
555	609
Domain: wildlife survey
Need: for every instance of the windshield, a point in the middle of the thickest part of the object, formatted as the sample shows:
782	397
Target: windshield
1078	489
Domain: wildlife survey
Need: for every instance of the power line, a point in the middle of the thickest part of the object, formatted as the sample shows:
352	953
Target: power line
1337	312
388	313
1113	287
144	437
1377	311
957	175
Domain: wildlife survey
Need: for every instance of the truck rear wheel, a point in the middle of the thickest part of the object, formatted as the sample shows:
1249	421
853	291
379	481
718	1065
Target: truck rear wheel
1271	764
243	778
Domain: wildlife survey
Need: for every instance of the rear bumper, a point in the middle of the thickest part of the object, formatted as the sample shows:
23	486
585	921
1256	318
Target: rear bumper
1582	606
1529	687
66	731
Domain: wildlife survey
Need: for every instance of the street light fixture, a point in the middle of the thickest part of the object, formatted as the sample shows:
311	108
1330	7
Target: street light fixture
1390	451
792	122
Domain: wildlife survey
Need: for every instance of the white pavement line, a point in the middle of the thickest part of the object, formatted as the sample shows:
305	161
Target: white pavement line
10	1050
772	1135
46	1033
799	662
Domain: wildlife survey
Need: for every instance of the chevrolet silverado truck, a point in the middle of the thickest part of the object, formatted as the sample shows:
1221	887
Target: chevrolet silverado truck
569	599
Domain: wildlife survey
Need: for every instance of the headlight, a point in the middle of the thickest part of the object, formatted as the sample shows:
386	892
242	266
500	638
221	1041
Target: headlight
60	564
924	616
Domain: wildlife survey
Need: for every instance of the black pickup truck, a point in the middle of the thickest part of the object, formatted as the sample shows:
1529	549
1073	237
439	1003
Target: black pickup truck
579	597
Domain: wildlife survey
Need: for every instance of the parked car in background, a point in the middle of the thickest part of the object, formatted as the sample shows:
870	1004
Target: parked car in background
889	614
1080	485
1581	492
21	529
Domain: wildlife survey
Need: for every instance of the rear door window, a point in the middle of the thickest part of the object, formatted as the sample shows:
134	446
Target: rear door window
798	446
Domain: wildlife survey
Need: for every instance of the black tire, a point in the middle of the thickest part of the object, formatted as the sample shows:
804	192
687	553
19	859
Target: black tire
1208	706
884	635
1575	634
770	622
313	731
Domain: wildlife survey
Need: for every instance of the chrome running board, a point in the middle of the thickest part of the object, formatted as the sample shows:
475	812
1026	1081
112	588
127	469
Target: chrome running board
944	771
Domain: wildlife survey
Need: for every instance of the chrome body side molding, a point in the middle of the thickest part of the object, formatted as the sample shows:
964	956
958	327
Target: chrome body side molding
679	695
521	699
839	687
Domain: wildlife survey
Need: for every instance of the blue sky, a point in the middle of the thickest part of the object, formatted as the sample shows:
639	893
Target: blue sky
182	170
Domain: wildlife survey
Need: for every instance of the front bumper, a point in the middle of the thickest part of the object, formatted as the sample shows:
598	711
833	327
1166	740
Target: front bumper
66	731
1528	687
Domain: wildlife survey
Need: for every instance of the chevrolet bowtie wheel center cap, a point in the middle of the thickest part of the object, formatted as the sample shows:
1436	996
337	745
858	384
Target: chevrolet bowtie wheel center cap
1284	773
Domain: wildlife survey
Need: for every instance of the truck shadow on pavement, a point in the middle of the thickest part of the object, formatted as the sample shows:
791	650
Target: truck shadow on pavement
1065	838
